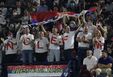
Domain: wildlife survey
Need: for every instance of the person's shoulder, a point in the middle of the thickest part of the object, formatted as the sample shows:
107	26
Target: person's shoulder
100	59
30	34
86	58
93	57
80	33
109	57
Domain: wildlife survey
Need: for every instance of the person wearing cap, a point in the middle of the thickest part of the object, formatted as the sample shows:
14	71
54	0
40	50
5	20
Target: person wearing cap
27	50
104	64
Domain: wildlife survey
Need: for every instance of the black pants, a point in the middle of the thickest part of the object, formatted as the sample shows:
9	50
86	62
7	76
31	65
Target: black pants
41	57
10	58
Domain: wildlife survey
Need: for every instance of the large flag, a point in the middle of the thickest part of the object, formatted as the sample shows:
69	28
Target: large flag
46	17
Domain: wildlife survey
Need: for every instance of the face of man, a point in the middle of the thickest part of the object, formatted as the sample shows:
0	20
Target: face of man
41	34
104	54
89	53
85	29
27	30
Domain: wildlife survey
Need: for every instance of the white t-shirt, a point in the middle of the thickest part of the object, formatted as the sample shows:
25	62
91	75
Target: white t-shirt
87	36
26	41
68	39
90	63
53	40
10	46
41	45
91	27
98	45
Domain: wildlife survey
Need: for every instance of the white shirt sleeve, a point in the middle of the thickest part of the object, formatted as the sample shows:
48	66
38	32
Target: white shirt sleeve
102	40
84	61
32	37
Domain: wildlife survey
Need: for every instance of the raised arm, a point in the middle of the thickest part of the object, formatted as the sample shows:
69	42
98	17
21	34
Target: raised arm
43	29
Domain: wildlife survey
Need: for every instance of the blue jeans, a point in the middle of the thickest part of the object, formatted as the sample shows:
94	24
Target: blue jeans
27	56
54	54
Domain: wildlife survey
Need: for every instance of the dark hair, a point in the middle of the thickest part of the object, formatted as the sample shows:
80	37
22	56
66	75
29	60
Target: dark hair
105	51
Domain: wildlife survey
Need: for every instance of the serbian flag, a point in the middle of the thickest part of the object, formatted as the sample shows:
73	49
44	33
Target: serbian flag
70	13
92	9
43	16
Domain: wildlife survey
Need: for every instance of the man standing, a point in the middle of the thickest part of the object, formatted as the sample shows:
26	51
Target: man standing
41	48
27	49
68	41
84	40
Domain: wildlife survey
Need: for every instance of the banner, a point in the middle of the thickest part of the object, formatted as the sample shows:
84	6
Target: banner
36	71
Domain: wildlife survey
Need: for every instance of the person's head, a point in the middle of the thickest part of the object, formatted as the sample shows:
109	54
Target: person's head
104	54
89	53
89	17
109	50
97	33
54	30
26	29
55	8
18	3
72	24
9	35
41	34
67	29
85	29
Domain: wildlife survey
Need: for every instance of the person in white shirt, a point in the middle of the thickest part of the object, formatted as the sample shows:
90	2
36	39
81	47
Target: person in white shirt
68	41
98	44
41	48
27	49
54	44
10	49
90	61
84	40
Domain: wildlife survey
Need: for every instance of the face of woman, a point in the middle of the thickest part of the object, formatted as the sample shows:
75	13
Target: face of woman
97	33
54	30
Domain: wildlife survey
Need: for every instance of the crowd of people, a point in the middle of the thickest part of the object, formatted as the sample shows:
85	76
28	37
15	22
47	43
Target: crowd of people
86	40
